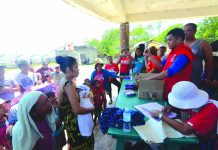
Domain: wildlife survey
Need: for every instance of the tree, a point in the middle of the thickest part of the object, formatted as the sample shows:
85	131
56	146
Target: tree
139	34
162	37
208	29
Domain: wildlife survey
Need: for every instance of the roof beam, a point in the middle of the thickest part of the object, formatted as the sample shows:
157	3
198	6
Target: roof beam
173	14
118	6
88	7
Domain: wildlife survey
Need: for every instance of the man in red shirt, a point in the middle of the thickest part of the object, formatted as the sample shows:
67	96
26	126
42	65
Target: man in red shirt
203	121
178	65
113	68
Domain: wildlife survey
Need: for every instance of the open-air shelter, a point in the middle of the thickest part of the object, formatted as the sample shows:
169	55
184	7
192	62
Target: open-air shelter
128	11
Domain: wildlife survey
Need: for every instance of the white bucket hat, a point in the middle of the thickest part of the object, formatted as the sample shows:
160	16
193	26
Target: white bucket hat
186	95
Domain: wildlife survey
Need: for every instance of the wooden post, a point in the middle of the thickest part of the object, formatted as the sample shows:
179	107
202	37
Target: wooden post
124	35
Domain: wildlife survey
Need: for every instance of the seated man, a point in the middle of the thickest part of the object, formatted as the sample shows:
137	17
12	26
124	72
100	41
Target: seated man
7	86
203	120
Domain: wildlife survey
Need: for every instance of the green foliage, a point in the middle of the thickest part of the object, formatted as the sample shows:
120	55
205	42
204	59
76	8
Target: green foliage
162	37
139	34
110	43
208	29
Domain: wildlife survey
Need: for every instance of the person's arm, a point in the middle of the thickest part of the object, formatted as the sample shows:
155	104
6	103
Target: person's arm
179	63
155	70
118	61
184	128
208	58
74	100
154	60
117	69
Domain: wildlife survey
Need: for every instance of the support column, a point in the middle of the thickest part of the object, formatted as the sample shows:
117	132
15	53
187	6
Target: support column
124	35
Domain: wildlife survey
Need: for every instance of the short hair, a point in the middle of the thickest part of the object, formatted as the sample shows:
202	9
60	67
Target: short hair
193	25
2	67
109	57
153	50
49	94
22	63
177	32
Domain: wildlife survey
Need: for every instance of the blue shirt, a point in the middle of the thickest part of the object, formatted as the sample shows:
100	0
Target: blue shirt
139	63
179	63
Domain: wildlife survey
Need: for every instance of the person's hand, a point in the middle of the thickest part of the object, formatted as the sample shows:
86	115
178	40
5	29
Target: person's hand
147	53
6	89
121	77
206	83
155	113
9	130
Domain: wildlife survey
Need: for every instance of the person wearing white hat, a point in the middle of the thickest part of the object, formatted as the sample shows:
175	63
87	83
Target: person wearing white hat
203	121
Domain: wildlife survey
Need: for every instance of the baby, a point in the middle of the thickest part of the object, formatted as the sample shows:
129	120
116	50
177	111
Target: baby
85	121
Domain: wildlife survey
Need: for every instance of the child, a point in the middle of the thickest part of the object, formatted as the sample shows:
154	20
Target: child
99	100
3	110
59	137
85	121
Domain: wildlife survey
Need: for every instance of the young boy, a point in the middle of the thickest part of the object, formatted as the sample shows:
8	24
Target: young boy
99	100
59	137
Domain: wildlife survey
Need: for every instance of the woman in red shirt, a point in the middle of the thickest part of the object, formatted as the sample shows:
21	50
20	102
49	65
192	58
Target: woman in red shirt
125	62
113	68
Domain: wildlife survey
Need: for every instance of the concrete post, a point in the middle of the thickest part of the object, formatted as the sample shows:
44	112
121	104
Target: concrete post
124	35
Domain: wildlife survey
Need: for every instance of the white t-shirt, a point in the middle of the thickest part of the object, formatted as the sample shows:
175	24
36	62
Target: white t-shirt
26	80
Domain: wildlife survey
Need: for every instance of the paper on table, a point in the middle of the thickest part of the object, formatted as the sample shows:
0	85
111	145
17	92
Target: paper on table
146	108
156	132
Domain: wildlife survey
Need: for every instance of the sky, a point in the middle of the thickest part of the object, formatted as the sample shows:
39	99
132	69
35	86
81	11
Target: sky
37	26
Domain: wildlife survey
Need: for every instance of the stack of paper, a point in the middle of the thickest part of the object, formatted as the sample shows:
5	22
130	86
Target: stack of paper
155	132
146	108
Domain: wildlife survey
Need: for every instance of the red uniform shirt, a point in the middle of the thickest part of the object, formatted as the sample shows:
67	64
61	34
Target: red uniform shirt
205	120
151	65
125	64
99	96
182	75
100	78
112	68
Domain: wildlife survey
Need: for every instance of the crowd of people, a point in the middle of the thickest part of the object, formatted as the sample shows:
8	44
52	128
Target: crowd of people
39	118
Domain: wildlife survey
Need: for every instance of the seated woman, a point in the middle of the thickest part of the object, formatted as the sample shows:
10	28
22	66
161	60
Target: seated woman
203	120
36	121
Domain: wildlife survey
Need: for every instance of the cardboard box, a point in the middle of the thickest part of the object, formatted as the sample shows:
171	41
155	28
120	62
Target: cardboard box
150	89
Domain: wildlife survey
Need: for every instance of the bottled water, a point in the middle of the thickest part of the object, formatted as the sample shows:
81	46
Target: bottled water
126	121
130	74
